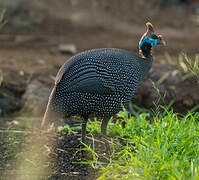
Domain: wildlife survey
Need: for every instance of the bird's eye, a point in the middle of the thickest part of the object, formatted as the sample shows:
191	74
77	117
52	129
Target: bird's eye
153	36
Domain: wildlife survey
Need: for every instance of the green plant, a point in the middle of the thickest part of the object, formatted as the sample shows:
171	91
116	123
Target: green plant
68	130
183	63
94	163
159	102
166	149
190	67
94	126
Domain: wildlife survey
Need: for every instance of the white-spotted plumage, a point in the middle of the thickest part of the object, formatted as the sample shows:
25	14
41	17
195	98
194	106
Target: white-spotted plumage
97	82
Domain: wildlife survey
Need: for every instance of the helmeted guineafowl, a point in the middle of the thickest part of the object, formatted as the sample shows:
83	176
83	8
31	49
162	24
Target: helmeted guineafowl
98	82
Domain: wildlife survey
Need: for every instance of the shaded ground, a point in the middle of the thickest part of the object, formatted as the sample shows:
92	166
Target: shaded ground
29	54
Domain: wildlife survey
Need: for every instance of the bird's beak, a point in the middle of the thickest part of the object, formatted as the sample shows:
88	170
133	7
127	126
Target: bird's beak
161	41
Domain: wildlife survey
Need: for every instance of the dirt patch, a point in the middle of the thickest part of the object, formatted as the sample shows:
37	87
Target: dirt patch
68	158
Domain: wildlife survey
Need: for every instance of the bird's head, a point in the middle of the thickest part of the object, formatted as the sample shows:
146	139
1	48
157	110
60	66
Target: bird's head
149	39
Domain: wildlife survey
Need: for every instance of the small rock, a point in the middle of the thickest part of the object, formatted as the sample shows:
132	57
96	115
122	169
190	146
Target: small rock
21	73
67	48
41	61
36	97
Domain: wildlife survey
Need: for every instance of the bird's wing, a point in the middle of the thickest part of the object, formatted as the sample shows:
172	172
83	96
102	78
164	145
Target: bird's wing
86	79
103	71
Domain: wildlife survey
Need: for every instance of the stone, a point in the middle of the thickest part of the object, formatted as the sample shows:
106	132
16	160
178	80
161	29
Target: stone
36	97
67	48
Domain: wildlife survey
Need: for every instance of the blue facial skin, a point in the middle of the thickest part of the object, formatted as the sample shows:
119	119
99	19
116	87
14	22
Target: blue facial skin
149	40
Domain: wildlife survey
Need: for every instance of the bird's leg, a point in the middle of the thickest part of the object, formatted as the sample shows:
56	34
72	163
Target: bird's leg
103	131
104	125
84	121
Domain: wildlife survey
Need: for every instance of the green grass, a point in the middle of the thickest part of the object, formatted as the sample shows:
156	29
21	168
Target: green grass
168	148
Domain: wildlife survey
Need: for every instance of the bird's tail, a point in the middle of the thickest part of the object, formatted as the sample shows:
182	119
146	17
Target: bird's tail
49	115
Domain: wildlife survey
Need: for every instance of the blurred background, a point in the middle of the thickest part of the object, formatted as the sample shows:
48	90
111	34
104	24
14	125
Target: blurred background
38	36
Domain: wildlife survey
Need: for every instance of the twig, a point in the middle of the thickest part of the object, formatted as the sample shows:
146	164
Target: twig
16	131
